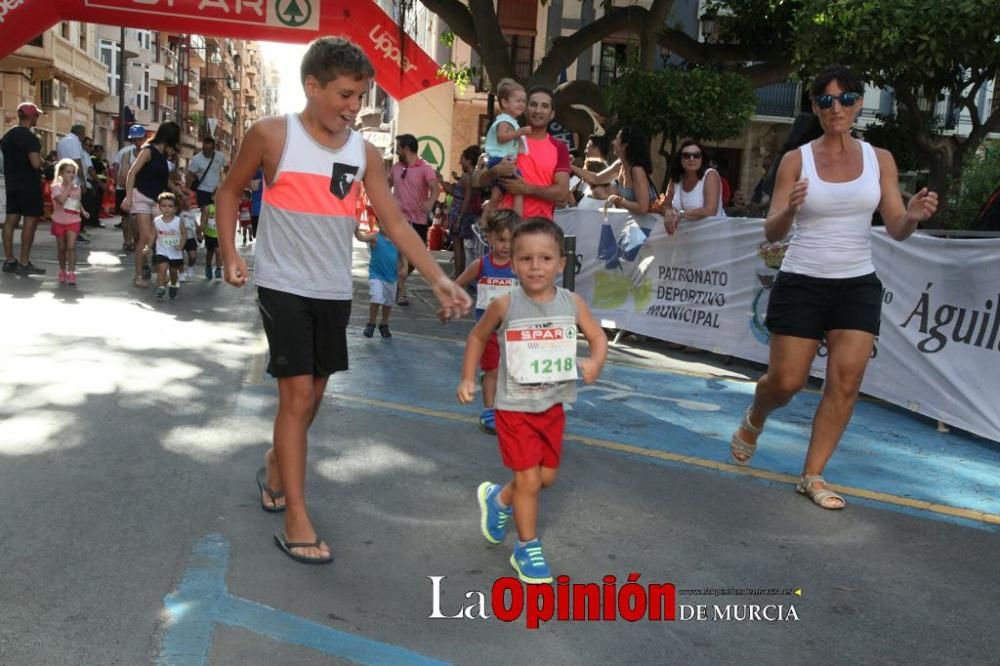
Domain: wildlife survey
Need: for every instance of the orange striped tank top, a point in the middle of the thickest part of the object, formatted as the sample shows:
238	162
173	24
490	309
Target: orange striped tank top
306	226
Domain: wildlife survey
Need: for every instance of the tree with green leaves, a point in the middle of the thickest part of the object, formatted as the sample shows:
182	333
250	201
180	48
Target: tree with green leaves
920	50
699	103
768	52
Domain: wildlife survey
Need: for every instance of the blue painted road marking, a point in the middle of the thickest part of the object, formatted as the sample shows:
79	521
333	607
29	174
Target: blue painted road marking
202	601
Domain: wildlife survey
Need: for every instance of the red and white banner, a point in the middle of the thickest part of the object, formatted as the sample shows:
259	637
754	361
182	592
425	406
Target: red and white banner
402	68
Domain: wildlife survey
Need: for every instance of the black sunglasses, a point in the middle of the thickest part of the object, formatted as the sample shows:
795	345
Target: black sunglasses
691	156
403	175
846	99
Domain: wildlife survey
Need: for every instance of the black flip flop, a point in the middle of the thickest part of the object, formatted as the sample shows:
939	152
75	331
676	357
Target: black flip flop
273	495
287	546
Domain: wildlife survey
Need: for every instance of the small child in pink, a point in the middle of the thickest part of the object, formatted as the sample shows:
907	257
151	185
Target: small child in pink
66	213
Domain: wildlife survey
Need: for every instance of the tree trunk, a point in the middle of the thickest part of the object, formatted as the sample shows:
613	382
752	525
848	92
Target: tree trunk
651	29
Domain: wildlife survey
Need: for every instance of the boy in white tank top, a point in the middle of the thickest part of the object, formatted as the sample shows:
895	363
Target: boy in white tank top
313	164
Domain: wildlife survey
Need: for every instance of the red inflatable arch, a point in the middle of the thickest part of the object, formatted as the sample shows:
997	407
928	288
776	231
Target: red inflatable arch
402	69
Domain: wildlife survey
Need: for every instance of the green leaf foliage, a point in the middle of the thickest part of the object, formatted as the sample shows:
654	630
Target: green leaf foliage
893	43
699	103
979	178
895	136
765	26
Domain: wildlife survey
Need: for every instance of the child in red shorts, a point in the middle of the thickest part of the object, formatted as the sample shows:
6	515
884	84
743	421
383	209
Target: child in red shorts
494	277
66	213
536	326
245	218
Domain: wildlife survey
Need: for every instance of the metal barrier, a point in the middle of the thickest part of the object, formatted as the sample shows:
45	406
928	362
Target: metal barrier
569	272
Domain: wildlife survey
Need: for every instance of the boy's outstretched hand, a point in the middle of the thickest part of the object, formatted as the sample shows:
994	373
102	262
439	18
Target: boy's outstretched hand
454	300
466	391
589	369
236	271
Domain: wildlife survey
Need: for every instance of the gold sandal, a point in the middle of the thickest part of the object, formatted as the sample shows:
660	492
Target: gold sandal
738	446
821	497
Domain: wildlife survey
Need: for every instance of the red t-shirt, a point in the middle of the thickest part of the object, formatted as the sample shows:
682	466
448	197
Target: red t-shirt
544	159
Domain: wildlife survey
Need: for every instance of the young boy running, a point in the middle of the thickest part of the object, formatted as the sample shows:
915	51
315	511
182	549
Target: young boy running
537	328
494	277
171	237
313	165
209	230
384	268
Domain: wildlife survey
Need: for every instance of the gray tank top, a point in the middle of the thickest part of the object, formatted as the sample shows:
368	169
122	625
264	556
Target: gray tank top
540	340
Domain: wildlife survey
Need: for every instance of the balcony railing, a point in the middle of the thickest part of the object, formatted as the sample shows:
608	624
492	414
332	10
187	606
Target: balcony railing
781	100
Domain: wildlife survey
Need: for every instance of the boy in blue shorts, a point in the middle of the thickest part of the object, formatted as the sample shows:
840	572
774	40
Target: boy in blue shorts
384	268
536	325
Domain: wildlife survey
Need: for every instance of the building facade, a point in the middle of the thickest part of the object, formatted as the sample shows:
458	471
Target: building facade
60	72
83	73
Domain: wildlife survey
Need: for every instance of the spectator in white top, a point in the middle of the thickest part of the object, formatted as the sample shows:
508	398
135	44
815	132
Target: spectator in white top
205	174
695	190
827	290
70	147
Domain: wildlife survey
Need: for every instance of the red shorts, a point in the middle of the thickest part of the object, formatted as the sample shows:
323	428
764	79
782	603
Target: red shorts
59	230
528	440
490	359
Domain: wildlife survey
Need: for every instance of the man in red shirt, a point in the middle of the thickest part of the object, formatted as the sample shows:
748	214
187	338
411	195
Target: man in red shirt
544	167
415	185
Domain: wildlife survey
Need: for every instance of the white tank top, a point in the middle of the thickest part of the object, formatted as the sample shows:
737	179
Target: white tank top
168	237
696	197
306	233
831	235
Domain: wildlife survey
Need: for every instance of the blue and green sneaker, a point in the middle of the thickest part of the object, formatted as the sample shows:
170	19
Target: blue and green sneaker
529	563
493	519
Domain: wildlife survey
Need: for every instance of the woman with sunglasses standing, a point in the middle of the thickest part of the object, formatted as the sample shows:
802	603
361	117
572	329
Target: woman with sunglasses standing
695	190
825	194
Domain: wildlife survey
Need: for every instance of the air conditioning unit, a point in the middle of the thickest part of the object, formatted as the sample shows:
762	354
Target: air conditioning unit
54	93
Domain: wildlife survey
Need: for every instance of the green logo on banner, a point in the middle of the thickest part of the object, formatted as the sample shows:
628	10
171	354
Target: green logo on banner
290	12
431	150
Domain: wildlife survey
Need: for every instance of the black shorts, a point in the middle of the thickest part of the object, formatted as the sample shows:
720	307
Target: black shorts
27	203
204	198
191	245
211	243
305	336
421	230
119	198
161	259
807	307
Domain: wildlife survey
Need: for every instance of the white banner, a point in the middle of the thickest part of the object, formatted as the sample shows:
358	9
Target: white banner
707	286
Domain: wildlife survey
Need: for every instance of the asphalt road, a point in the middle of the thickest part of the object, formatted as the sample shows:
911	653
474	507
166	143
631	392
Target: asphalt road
130	432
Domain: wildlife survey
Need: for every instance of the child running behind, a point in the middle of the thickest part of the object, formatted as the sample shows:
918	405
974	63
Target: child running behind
245	217
494	277
210	231
66	213
537	324
170	239
190	222
384	268
503	139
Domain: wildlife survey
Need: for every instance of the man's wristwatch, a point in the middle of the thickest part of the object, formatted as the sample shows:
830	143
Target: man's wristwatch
680	214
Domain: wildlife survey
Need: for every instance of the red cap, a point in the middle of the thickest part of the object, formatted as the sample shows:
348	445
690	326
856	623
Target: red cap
28	109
